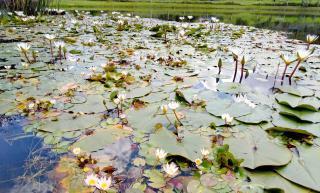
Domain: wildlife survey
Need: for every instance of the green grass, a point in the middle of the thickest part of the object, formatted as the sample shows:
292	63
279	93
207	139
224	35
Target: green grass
192	8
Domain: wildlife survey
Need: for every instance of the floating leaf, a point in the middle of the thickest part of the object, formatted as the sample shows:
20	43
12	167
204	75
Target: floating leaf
310	103
221	106
304	168
258	150
156	178
302	115
100	139
298	91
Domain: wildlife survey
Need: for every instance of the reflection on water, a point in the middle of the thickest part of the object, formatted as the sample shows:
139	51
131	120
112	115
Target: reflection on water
24	162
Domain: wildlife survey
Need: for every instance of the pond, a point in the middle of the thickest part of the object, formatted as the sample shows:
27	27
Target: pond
112	102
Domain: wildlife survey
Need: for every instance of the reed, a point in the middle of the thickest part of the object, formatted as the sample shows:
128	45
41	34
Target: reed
29	7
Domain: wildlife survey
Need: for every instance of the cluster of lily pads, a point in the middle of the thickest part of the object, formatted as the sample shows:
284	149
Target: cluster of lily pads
156	106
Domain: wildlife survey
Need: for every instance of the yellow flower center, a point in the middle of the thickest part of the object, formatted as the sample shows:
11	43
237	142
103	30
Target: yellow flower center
92	182
104	186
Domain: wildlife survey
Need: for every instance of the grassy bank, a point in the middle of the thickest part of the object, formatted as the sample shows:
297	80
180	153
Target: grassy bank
185	8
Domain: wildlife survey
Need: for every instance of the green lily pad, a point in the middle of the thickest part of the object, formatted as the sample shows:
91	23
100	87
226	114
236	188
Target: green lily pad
309	103
156	178
298	91
258	150
221	106
283	123
100	139
189	147
270	180
302	115
258	115
233	88
304	168
68	122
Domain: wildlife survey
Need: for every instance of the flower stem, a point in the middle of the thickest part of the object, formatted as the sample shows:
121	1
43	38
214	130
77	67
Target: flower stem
295	68
60	55
51	51
175	114
26	55
284	73
241	76
235	70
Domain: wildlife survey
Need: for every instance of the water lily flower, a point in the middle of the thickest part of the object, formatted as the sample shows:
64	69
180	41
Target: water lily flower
303	54
120	22
59	44
227	118
182	34
164	109
311	38
184	25
160	154
91	180
171	169
24	64
286	59
7	67
190	17
198	161
244	60
23	47
76	151
20	13
122	97
104	184
214	20
181	18
173	105
235	52
116	101
49	37
204	152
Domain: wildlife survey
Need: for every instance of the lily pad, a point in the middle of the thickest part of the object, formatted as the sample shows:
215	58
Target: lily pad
309	103
258	150
304	168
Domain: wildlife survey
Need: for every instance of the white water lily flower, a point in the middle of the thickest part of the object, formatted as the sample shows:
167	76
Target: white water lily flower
286	59
20	13
160	154
104	184
116	101
239	98
49	37
182	33
7	67
164	109
24	64
303	54
205	152
23	47
210	84
76	151
122	97
59	44
171	169
173	105
91	180
227	118
31	105
311	38
137	17
181	18
120	22
184	25
214	20
198	161
190	17
250	104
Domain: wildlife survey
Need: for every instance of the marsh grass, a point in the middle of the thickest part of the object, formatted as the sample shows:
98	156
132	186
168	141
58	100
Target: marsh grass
30	7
